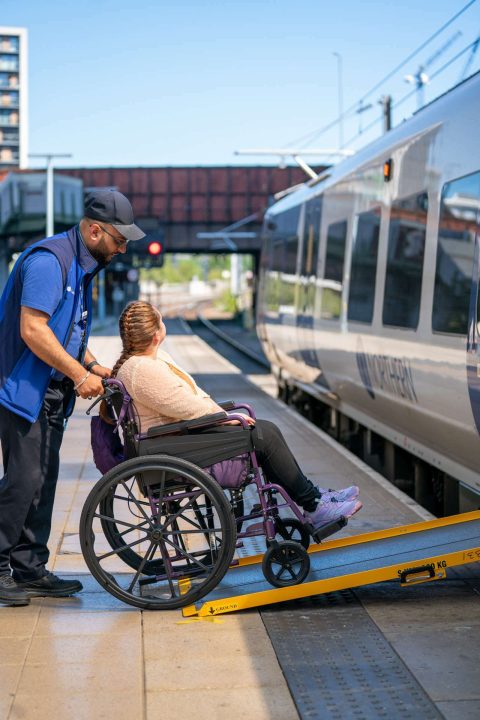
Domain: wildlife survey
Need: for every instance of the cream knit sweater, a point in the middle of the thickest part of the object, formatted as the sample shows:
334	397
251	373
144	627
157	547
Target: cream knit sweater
162	391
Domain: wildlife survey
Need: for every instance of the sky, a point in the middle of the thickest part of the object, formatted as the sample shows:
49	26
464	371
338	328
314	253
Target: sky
188	82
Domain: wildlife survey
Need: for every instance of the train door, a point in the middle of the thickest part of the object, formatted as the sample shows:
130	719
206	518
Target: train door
307	283
456	300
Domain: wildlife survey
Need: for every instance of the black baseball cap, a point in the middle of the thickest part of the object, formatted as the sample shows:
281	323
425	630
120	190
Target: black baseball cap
111	207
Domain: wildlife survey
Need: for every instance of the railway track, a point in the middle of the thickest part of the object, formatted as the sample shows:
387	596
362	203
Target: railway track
250	361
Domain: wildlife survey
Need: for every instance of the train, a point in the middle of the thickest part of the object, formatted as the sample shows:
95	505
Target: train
368	299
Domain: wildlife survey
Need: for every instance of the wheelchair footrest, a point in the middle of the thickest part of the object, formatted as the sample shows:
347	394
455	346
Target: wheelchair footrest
329	529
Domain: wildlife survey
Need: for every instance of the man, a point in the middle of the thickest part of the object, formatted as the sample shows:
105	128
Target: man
45	318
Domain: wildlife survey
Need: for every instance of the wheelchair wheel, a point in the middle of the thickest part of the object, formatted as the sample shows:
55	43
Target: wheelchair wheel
114	535
286	563
177	543
110	507
292	529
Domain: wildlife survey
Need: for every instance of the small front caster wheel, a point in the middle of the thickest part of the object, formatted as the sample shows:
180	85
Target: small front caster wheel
292	529
286	563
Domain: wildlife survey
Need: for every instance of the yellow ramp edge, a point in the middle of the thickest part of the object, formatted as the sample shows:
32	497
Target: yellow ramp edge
439	563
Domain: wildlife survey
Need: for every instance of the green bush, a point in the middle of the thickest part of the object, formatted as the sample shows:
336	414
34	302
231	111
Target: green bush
227	302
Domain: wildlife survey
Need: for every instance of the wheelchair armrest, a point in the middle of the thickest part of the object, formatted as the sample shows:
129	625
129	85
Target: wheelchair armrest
185	425
227	405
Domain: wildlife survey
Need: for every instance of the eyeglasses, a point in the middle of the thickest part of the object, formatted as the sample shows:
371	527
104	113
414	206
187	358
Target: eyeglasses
118	242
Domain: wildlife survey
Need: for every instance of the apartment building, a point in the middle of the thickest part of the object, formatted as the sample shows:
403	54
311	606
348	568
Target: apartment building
13	98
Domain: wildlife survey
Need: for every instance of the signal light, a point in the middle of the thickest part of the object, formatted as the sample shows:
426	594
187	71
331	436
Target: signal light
148	252
155	248
387	170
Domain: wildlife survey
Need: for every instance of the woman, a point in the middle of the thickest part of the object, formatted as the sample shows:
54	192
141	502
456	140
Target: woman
164	393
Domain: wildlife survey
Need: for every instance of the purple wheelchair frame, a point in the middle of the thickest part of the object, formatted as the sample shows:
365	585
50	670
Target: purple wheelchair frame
268	508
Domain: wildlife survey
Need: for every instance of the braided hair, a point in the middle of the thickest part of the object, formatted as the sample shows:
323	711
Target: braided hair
137	325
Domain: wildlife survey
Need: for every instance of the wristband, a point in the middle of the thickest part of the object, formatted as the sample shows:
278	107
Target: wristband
91	365
75	387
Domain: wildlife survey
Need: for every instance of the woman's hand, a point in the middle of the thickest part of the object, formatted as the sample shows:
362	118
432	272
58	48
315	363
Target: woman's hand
249	420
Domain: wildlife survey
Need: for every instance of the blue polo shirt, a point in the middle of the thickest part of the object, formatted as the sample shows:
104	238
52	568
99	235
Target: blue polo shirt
43	290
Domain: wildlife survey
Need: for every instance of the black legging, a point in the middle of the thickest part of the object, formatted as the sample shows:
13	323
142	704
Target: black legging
278	463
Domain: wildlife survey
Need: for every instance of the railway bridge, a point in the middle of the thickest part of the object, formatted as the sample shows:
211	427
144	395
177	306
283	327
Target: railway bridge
186	201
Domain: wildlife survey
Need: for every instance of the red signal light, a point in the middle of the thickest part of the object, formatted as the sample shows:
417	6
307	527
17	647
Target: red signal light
155	248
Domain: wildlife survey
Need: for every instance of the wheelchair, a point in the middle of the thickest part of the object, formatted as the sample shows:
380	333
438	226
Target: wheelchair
158	531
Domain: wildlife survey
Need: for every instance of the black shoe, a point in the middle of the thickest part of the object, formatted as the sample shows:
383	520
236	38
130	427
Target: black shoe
51	586
11	593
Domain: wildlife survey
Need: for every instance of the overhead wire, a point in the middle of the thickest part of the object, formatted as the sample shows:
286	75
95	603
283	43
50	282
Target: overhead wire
437	72
314	134
412	92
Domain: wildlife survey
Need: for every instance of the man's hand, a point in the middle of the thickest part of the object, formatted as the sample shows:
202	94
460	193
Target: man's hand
101	371
92	387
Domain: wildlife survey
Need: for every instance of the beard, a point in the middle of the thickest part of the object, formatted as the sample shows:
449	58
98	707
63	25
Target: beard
101	254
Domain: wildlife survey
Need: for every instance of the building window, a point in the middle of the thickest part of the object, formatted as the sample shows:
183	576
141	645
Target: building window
364	267
9	136
333	277
9	99
9	44
8	62
459	214
6	155
406	247
7	117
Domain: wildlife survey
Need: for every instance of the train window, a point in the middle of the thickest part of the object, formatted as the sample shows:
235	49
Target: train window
459	211
283	243
283	261
311	231
277	253
288	229
333	276
364	267
406	246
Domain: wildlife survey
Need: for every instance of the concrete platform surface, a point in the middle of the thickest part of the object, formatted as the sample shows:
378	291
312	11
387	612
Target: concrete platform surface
91	657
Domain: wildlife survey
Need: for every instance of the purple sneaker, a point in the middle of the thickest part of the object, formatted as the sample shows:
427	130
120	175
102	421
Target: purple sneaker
329	512
349	493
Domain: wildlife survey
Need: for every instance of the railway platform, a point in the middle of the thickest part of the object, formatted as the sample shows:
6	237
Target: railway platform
380	651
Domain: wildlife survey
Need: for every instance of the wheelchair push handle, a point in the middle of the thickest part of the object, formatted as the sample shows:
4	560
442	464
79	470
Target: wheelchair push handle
109	391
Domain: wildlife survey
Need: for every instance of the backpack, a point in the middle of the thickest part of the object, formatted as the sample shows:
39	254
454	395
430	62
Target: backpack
107	446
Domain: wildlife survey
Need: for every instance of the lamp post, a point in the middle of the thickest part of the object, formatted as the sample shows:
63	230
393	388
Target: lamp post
340	99
49	157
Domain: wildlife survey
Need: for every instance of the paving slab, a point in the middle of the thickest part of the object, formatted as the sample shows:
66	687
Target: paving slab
92	656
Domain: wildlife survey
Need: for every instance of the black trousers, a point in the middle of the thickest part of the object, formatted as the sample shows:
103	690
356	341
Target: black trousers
278	462
31	460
